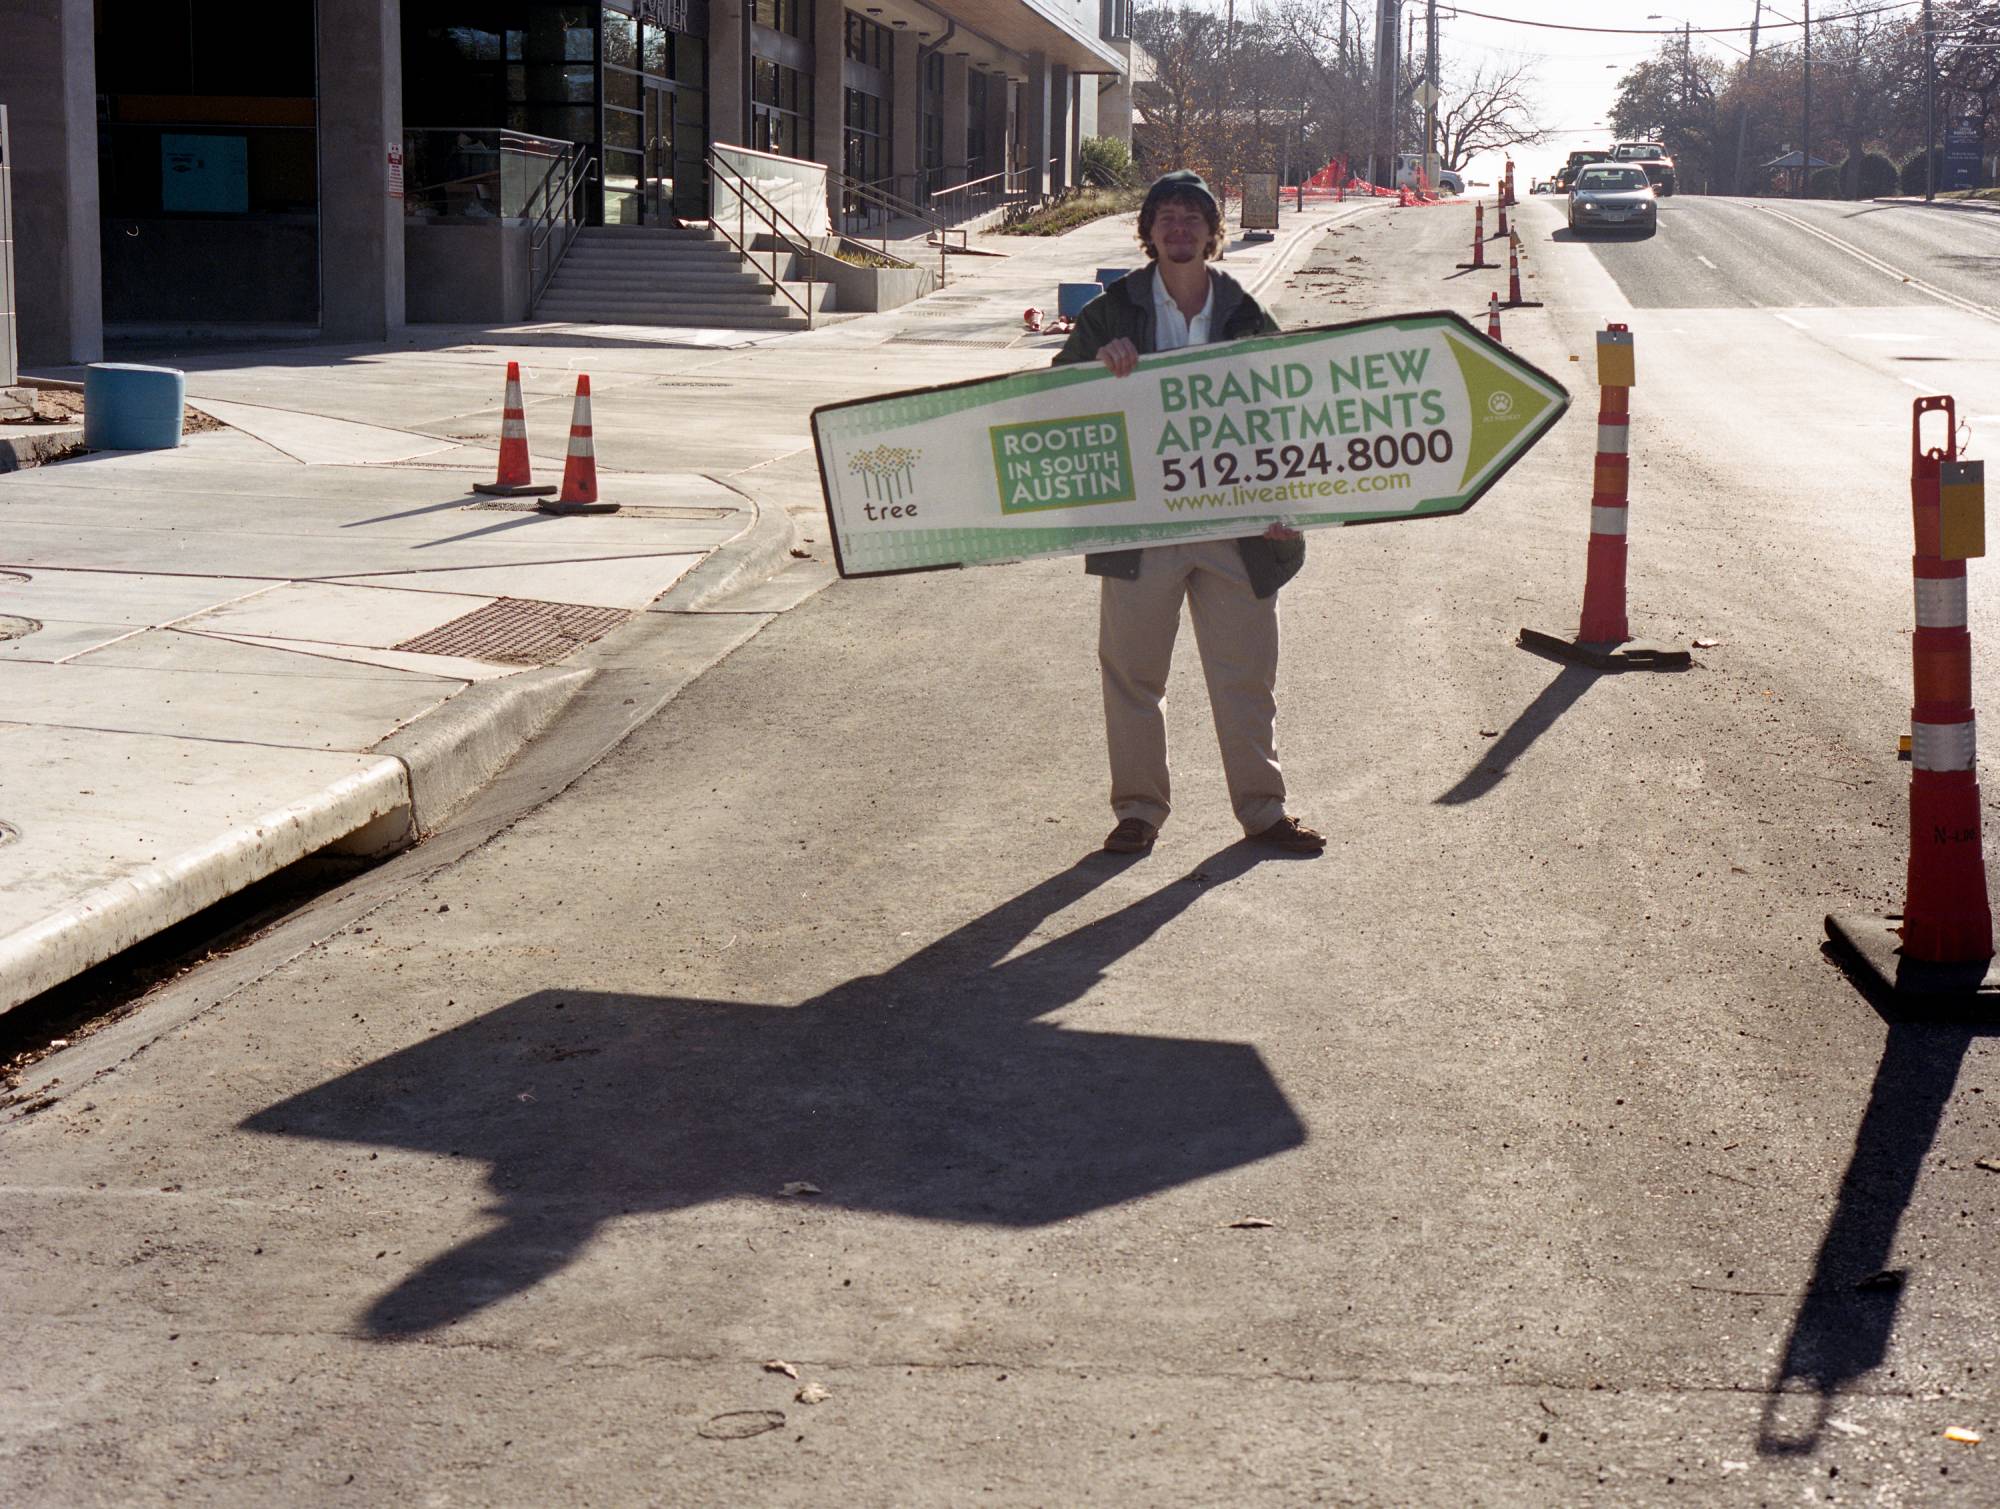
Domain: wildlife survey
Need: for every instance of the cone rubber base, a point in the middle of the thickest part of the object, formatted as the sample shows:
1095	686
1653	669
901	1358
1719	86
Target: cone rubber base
1521	304
1478	266
512	489
1608	655
1872	952
561	507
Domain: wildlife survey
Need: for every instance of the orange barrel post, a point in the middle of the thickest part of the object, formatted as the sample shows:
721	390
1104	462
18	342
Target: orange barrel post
1604	577
1478	239
1946	915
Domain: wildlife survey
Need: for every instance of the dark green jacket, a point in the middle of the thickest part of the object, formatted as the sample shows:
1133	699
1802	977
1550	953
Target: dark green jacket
1126	309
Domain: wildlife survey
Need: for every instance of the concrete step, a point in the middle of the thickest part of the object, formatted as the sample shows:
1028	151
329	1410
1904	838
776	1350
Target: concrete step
663	314
700	319
748	294
665	277
639	233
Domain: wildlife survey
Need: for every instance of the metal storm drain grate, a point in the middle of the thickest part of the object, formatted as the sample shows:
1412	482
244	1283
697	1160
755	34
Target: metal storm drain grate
625	510
982	334
517	631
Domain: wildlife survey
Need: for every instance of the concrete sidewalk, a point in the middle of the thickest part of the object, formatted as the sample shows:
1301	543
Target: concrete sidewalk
306	630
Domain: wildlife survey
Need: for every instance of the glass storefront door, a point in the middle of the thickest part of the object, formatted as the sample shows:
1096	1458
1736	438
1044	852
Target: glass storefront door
658	197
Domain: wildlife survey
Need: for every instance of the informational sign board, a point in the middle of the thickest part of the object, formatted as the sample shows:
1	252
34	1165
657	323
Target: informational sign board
1260	201
204	173
1963	148
1400	418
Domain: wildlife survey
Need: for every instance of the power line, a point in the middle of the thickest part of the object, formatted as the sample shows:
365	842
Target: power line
1675	31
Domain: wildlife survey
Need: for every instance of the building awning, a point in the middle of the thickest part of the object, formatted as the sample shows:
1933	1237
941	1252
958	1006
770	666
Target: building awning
1019	26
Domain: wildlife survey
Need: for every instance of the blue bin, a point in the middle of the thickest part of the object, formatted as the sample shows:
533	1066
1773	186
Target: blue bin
1106	276
132	408
1071	297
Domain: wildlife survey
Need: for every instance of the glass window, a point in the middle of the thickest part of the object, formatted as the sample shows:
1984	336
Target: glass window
657	52
621	40
621	128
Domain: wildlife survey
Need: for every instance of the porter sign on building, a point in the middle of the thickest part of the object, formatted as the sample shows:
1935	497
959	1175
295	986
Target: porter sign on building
1402	418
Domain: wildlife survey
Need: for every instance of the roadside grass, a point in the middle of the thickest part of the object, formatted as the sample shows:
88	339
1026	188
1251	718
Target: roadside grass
1078	209
1991	194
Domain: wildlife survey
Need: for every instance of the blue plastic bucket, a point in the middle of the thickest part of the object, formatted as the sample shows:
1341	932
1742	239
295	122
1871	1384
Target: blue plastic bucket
1071	297
1106	276
132	408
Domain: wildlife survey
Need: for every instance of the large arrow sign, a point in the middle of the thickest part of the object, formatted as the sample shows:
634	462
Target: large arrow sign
1403	418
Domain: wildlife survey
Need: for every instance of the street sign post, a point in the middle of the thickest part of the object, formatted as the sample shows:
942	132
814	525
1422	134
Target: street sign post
1401	418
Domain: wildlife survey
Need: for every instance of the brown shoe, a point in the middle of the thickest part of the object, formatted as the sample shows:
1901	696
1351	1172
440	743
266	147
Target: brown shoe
1291	835
1133	835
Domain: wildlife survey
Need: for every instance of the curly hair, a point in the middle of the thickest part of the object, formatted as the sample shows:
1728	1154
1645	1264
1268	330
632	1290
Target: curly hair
1181	196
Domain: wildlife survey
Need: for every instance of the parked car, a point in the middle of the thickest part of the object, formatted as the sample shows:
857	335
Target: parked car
1613	196
1654	158
1409	172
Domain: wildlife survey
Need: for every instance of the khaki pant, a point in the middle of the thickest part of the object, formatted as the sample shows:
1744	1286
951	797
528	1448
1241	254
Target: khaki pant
1237	635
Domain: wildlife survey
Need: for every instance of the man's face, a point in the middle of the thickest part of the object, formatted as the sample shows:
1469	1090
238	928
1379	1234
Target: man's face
1180	232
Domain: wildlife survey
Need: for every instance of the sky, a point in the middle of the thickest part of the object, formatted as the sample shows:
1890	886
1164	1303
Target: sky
1577	72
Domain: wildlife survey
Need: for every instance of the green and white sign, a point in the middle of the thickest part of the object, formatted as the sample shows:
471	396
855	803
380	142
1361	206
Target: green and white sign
1406	418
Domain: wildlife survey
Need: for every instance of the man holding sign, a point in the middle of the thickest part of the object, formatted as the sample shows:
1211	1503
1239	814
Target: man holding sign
1230	585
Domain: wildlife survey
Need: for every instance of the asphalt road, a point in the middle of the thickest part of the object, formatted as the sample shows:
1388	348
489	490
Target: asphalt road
1523	1150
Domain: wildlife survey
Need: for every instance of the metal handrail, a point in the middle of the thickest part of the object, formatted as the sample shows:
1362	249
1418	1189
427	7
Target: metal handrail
989	192
572	170
897	208
799	242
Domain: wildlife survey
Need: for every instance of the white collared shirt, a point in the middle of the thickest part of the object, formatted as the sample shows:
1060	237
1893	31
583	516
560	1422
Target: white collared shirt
1172	329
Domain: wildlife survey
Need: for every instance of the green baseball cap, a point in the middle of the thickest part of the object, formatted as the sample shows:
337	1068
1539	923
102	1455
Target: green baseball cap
1181	181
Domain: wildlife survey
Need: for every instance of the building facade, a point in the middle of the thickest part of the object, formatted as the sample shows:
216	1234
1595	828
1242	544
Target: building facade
243	164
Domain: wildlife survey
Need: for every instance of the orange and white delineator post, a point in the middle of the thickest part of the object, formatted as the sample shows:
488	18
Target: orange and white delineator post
1493	317
1503	220
579	484
514	479
1478	261
1604	575
1946	915
1603	635
1514	299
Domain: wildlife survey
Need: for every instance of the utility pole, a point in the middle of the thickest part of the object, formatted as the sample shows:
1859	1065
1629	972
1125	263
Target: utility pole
1743	116
1388	36
1431	95
1930	107
1805	128
1687	66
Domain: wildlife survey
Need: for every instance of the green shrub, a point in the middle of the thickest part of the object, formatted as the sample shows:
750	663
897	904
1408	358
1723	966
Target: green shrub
1878	177
1824	184
1079	207
1913	172
1105	160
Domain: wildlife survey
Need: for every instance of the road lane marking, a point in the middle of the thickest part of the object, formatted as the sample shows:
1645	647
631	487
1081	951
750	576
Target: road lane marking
1887	269
1706	263
1795	324
1921	387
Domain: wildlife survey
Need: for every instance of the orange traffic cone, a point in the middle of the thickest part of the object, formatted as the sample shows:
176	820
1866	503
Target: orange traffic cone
579	484
1493	318
514	479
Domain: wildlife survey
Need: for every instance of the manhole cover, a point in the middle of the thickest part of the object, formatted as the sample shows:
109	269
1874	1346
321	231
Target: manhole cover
8	833
518	631
625	510
16	628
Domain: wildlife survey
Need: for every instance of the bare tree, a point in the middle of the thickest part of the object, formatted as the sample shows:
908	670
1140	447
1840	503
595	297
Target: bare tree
1489	110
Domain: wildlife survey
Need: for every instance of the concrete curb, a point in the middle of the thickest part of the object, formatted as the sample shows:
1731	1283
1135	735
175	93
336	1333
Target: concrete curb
762	550
17	452
453	750
114	917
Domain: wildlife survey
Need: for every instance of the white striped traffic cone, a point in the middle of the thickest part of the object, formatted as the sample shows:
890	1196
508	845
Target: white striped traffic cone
514	479
579	484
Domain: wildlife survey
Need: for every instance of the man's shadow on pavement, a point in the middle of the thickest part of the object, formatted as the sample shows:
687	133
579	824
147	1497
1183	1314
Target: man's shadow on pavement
1847	1316
930	1090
